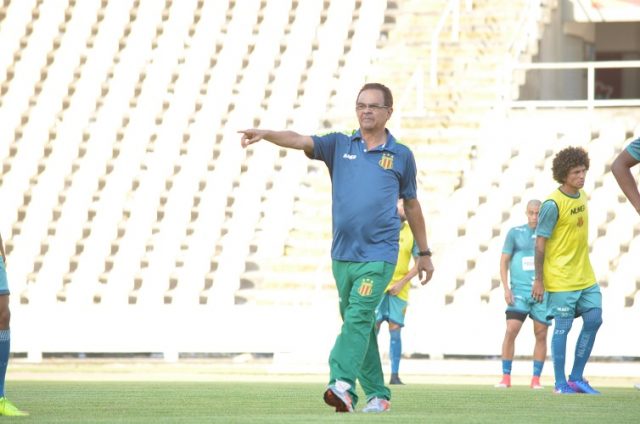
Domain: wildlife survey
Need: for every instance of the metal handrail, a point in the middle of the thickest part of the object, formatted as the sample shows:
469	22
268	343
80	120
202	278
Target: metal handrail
453	7
516	47
591	102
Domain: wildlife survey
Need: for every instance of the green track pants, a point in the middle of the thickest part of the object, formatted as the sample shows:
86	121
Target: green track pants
355	353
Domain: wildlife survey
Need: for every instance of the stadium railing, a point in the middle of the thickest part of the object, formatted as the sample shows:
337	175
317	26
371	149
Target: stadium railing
453	9
591	101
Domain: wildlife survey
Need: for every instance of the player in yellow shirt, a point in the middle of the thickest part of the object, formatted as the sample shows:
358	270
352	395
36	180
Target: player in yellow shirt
393	306
563	268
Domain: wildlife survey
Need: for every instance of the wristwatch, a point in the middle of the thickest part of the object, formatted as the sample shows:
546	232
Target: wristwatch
425	252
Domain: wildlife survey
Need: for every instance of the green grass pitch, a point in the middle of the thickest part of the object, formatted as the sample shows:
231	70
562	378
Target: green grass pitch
218	402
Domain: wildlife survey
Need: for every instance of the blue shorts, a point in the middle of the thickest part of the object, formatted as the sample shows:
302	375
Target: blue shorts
391	309
4	284
524	304
572	304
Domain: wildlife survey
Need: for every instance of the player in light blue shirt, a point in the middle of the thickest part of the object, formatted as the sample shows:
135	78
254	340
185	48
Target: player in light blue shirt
517	263
7	408
621	168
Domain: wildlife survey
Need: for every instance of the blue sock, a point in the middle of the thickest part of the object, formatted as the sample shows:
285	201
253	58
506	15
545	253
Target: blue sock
395	350
537	368
5	347
592	319
559	348
506	366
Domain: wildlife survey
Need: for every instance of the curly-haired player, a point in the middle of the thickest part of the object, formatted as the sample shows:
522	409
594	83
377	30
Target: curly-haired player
563	268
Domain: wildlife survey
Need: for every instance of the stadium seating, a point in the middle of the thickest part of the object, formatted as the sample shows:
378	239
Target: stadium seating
124	188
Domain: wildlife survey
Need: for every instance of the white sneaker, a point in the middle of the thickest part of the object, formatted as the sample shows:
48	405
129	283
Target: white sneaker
377	405
337	395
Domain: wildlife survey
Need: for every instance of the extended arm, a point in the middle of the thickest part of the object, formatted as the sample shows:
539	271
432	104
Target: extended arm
288	139
621	168
413	211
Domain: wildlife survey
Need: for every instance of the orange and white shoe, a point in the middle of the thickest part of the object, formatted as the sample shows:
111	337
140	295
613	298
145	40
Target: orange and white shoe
377	405
505	383
337	395
535	383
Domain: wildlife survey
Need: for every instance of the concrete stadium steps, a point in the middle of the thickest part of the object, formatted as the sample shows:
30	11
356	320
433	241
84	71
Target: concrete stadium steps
286	297
320	278
320	247
125	192
442	137
469	83
121	21
300	263
314	230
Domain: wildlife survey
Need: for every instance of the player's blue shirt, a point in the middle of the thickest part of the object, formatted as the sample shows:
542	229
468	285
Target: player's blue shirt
4	285
634	149
520	245
366	186
547	219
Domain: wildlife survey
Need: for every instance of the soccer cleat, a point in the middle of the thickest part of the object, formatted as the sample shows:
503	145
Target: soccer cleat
377	405
505	383
637	386
337	395
535	383
582	386
395	379
564	389
8	409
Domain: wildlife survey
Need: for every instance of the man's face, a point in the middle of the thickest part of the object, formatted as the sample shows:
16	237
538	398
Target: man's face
575	177
372	112
532	214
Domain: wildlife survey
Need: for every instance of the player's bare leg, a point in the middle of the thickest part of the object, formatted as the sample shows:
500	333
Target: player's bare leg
539	352
508	350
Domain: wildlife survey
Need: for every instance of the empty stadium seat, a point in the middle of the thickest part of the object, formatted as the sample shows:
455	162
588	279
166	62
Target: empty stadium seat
124	185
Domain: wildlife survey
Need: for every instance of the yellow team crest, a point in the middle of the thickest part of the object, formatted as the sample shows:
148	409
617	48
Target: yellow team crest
580	222
366	287
386	162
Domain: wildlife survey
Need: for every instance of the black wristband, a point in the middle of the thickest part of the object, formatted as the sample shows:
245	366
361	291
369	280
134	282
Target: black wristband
425	252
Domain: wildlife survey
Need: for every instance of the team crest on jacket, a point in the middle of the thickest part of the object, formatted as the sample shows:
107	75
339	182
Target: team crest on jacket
386	162
366	287
580	222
